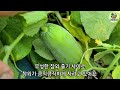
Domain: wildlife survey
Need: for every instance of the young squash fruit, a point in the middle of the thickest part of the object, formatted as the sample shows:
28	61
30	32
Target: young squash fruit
61	43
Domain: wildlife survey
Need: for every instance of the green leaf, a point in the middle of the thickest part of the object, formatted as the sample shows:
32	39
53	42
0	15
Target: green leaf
99	55
107	59
75	18
3	23
115	36
22	49
76	32
36	59
96	22
10	33
32	21
42	50
2	51
116	73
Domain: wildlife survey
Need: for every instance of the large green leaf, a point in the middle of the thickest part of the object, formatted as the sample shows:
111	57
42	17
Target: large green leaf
115	36
116	73
10	33
98	24
42	50
32	21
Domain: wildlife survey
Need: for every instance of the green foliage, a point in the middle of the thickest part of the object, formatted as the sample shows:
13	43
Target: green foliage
75	18
32	21
3	23
96	22
76	32
115	35
88	38
107	59
116	73
10	33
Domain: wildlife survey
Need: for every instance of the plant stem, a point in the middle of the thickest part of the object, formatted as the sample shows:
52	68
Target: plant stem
96	68
89	63
5	59
117	57
58	16
86	45
98	64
